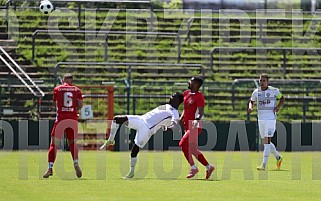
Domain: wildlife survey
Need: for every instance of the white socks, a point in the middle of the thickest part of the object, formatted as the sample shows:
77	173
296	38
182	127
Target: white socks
76	162
267	149
266	153
133	161
50	165
193	167
274	151
113	130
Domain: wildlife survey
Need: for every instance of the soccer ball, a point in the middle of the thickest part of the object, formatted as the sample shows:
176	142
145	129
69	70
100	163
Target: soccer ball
46	7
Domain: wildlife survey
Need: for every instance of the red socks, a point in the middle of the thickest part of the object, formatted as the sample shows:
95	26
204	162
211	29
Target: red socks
52	152
74	151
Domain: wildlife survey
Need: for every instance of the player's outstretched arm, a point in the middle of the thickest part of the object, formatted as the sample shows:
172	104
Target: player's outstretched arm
171	126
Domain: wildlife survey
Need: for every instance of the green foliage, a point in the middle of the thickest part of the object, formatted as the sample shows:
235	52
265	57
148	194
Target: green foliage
32	106
173	4
29	103
156	4
243	65
3	2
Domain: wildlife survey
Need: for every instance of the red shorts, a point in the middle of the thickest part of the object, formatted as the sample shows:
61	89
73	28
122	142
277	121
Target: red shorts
68	126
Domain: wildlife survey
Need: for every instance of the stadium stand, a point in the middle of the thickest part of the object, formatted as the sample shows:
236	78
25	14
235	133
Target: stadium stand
198	36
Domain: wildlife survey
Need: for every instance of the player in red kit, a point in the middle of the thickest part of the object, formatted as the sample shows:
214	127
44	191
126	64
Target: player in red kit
68	100
193	112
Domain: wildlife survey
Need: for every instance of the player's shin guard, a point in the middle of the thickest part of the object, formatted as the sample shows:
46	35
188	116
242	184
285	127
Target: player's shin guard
52	153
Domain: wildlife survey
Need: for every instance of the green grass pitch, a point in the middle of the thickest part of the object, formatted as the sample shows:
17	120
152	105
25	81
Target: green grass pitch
159	176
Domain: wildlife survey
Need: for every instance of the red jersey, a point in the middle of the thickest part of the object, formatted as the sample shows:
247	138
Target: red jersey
191	102
66	98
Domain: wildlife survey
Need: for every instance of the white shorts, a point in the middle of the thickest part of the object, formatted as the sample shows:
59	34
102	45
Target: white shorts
267	128
143	133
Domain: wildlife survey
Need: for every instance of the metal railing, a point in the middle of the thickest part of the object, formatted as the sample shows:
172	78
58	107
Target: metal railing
237	81
38	92
106	1
8	2
127	81
80	9
134	97
283	49
130	65
251	18
34	35
79	2
305	98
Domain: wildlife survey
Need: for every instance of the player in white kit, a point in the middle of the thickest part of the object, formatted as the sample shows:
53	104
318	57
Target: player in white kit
164	116
267	107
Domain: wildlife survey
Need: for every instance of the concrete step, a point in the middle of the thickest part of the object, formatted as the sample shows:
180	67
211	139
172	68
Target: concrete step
5	43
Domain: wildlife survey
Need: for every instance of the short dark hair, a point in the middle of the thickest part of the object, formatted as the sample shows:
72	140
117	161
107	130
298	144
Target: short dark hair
68	75
198	80
265	75
180	96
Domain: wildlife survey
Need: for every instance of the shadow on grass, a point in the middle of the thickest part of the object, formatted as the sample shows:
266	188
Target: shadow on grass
282	170
55	178
170	179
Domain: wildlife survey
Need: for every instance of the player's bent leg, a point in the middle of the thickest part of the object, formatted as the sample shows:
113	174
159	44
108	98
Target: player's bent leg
74	153
52	152
72	135
115	125
192	149
133	161
185	138
183	143
120	119
200	156
135	150
266	141
187	153
74	150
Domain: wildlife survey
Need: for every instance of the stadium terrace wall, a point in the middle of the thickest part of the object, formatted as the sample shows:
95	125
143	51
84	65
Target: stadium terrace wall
217	136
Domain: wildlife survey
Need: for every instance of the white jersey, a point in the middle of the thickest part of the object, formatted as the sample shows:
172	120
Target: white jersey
148	124
162	115
266	102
